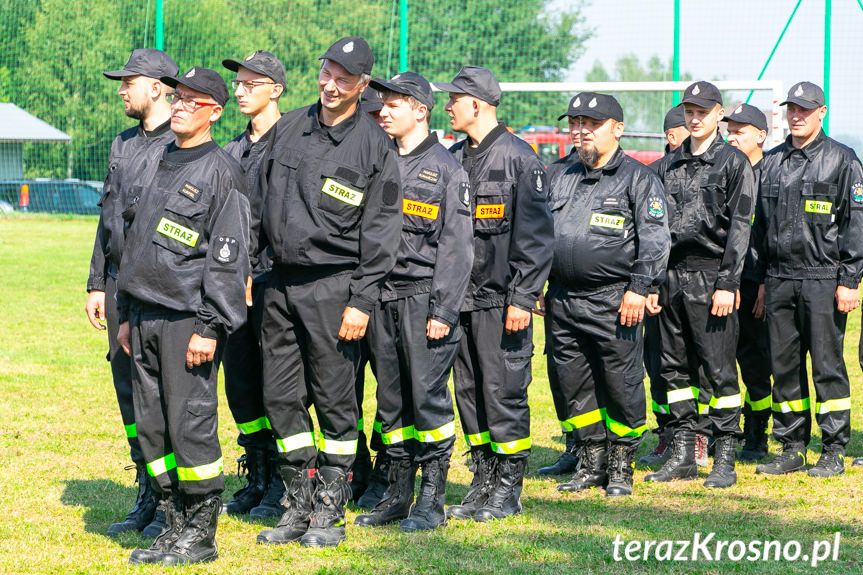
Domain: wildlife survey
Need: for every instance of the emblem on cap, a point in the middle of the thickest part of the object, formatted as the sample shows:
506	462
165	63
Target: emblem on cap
397	76
250	56
577	102
348	48
696	90
190	73
592	103
799	91
739	110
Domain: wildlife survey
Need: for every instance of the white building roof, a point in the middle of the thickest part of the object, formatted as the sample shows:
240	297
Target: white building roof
16	125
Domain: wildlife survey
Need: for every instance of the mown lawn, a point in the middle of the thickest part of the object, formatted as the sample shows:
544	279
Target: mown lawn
63	453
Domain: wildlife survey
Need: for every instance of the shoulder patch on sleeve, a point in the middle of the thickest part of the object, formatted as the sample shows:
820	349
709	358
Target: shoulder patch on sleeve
857	192
390	194
464	193
655	207
190	191
225	250
537	177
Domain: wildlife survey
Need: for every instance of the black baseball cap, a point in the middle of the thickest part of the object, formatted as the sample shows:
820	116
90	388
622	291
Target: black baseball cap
408	84
746	114
594	105
145	62
261	62
203	80
806	95
674	118
370	101
702	94
352	53
474	81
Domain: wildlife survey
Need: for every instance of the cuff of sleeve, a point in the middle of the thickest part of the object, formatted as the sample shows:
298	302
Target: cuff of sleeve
443	314
849	282
95	284
525	302
122	315
726	285
361	303
207	331
642	288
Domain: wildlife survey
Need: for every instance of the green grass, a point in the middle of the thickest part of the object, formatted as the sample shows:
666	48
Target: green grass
63	452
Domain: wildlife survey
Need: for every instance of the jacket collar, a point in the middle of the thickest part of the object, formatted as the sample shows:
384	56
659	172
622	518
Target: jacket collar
809	150
338	132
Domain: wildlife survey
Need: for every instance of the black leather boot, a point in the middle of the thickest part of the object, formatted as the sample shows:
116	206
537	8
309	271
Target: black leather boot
621	463
175	520
484	467
722	474
662	452
254	463
754	435
271	502
831	463
591	471
792	458
298	504
566	463
428	512
505	500
378	482
197	541
681	464
142	512
327	525
397	500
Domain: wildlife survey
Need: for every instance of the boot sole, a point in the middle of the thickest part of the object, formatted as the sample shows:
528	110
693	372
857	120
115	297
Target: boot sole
765	472
184	561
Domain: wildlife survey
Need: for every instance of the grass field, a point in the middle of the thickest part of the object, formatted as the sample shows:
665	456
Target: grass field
63	452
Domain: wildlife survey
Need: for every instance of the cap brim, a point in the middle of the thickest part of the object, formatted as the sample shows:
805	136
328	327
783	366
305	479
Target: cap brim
807	104
231	64
592	114
701	102
120	74
379	85
449	87
369	106
562	116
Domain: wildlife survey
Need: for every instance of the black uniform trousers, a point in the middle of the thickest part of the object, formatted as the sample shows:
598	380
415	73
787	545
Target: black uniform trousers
414	402
698	355
306	364
243	372
802	317
175	407
121	371
491	376
753	351
595	371
374	439
658	387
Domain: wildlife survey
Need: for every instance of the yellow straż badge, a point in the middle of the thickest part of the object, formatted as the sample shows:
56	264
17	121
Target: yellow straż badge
175	231
420	209
606	221
816	207
342	193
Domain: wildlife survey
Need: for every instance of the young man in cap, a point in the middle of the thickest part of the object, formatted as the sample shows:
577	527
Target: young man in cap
747	131
144	99
810	237
259	83
512	245
710	190
329	207
611	246
181	284
414	331
567	461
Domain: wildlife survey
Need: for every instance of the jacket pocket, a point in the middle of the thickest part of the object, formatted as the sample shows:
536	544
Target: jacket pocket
818	205
342	196
421	209
181	225
493	213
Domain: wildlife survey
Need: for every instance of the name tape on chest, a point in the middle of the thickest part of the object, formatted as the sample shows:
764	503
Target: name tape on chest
420	209
489	211
190	191
342	193
816	207
177	232
607	221
428	175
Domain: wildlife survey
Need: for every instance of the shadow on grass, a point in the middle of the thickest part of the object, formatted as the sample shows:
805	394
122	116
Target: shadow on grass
104	502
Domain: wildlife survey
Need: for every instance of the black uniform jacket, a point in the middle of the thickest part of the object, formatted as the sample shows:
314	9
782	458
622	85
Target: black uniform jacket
809	223
711	199
436	251
329	199
251	155
750	264
130	152
187	239
513	234
610	226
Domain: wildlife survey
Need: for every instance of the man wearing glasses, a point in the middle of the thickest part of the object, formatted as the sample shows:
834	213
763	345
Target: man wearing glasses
181	291
144	99
329	205
259	84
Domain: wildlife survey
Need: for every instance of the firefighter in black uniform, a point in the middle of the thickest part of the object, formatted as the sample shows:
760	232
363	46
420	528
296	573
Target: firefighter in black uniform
710	190
674	128
414	331
567	461
329	204
512	246
810	233
182	283
747	131
144	98
259	83
611	246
